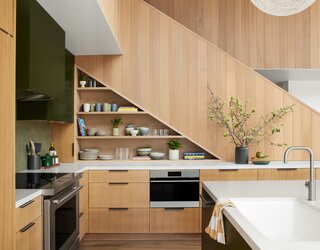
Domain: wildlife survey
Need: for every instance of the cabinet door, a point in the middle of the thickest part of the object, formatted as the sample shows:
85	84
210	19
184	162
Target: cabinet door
116	220
174	220
7	145
119	195
30	237
283	174
7	15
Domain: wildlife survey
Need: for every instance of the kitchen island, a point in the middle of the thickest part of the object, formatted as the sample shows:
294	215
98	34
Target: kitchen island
270	214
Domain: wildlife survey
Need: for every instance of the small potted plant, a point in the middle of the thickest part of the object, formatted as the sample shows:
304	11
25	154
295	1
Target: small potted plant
115	126
174	149
82	80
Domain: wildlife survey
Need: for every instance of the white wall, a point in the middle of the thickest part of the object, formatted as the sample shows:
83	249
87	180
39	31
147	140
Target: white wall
306	91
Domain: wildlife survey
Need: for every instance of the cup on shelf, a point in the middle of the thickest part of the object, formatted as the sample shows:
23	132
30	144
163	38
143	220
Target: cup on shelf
98	107
155	132
114	107
161	132
106	107
94	83
92	107
165	132
86	107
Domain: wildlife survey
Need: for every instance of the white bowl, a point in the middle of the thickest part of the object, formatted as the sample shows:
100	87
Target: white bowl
134	132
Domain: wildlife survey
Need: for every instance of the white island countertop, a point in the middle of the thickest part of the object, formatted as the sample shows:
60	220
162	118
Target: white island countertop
233	190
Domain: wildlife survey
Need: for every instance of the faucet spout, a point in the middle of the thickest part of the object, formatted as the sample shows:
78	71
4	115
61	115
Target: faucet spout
311	184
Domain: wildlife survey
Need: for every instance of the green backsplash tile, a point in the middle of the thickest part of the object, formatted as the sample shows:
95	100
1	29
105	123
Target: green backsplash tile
38	131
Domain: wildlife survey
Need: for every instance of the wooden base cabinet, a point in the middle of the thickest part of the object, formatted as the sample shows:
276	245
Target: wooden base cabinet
29	225
174	220
118	220
284	174
83	205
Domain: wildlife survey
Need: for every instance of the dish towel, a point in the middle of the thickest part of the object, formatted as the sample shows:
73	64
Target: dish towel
215	228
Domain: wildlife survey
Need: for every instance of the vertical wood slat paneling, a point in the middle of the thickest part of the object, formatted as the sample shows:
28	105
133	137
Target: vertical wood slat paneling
175	66
275	42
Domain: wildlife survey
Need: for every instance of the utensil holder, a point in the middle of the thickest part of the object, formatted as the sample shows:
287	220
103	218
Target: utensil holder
34	162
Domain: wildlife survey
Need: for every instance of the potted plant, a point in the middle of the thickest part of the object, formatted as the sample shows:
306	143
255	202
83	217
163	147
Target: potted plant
234	118
174	149
82	80
115	126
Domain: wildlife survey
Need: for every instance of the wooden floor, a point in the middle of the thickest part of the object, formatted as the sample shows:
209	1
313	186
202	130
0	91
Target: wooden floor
141	242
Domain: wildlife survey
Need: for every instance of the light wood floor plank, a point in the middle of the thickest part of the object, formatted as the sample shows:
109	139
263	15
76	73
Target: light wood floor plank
142	241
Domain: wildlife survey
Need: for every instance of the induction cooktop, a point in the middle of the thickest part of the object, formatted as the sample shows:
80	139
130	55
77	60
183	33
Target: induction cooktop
49	183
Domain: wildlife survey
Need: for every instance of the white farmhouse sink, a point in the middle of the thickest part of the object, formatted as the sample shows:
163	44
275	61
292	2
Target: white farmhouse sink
282	219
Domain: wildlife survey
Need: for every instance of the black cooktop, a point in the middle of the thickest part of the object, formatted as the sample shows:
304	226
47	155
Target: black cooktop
49	183
36	180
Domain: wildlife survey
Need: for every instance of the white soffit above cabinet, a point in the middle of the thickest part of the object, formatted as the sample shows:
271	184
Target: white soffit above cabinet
283	75
87	29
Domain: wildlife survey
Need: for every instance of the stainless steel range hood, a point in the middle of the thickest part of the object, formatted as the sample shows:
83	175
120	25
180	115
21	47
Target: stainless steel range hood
32	96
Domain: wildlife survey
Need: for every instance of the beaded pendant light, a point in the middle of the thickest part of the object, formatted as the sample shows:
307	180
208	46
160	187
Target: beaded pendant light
282	7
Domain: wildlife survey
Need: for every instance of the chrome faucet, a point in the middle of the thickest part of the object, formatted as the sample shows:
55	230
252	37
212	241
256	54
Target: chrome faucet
311	184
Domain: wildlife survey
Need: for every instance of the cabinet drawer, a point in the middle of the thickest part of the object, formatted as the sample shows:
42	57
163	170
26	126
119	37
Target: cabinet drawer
28	212
7	9
230	174
82	224
116	194
83	196
108	220
164	220
30	237
119	176
283	174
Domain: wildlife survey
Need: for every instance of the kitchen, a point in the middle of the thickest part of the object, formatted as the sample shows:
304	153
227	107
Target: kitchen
112	138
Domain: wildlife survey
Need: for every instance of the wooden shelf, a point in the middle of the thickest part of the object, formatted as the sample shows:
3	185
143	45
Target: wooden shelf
129	137
93	89
112	113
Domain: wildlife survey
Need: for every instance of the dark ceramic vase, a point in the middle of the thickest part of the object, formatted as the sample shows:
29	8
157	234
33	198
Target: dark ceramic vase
242	155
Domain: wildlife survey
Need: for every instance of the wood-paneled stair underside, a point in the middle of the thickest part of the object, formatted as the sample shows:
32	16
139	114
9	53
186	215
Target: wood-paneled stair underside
165	69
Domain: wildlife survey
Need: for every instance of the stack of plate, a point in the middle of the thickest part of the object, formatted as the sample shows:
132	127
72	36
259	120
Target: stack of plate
144	151
105	157
89	154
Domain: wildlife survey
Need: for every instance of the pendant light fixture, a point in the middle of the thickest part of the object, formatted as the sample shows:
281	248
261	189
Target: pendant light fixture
282	7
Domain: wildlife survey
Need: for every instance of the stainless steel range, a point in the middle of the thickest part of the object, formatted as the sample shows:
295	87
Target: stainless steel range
60	208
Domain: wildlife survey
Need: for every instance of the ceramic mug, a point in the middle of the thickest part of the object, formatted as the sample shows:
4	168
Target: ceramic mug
98	107
92	107
86	107
106	107
114	107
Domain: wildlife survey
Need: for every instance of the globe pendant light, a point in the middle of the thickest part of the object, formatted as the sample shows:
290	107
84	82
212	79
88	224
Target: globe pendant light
282	7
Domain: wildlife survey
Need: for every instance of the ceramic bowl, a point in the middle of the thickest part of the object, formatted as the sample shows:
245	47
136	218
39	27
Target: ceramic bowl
143	131
128	130
92	131
157	155
144	151
101	133
134	132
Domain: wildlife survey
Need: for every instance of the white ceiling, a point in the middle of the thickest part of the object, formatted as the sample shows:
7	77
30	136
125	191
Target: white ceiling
283	75
87	29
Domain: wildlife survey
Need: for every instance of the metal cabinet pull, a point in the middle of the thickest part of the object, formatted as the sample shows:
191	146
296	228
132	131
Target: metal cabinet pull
118	183
119	170
205	201
27	227
174	208
229	170
81	214
26	204
283	169
118	208
75	190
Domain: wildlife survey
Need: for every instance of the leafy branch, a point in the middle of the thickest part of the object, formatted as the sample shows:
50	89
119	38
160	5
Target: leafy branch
235	116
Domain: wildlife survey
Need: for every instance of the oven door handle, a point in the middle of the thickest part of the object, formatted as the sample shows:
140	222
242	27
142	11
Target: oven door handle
173	181
75	190
206	202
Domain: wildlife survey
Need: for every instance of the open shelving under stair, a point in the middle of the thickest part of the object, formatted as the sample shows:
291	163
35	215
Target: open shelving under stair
102	121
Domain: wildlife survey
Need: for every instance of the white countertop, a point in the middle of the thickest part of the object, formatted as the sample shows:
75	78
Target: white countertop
23	196
258	189
166	165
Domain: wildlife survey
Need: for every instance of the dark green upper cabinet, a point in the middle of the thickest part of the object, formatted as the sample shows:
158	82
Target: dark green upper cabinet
44	67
